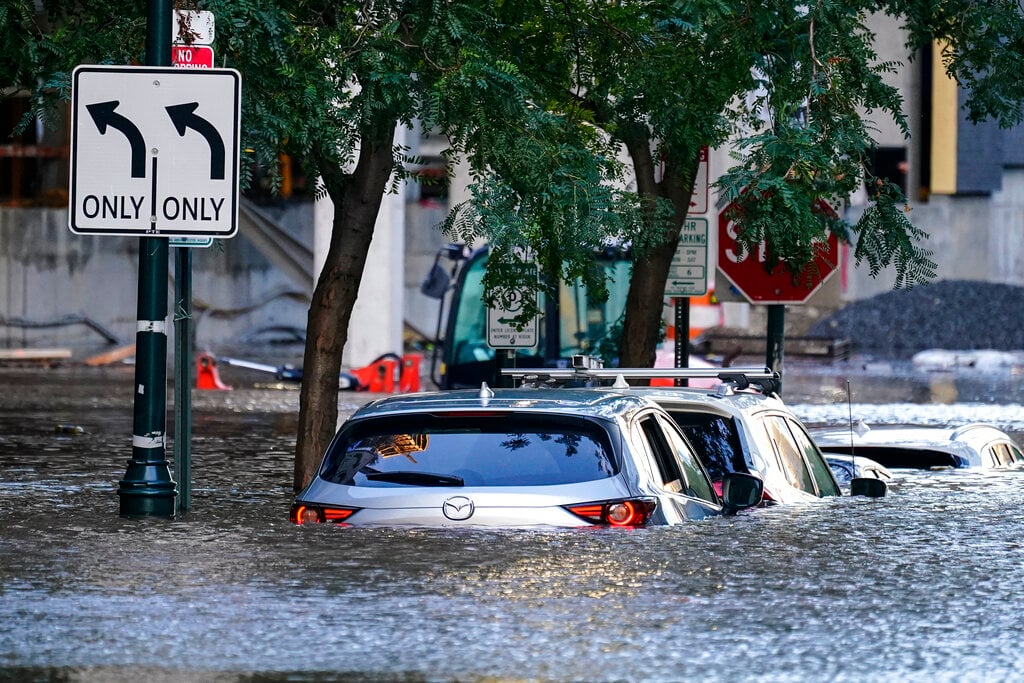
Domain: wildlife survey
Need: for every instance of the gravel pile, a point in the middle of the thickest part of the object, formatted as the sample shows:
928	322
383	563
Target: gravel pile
950	314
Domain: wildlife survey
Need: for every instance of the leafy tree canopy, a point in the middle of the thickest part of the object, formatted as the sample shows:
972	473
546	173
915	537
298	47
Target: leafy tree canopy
540	97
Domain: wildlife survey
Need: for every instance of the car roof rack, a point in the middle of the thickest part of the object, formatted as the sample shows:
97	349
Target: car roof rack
589	371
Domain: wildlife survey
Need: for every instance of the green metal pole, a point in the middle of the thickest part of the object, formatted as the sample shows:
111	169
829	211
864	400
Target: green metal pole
183	376
147	489
774	338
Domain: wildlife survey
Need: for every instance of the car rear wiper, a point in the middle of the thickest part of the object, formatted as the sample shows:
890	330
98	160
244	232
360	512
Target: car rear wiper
415	478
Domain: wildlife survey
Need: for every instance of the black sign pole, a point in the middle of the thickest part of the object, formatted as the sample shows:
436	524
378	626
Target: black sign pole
183	376
682	327
774	338
147	489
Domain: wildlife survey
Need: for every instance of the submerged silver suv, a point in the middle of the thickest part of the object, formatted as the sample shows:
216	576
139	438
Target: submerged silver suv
515	457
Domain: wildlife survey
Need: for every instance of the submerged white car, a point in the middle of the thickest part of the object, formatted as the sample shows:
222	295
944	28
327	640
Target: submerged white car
908	447
738	426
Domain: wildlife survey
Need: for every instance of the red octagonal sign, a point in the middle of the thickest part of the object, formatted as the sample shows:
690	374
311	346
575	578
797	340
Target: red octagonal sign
747	271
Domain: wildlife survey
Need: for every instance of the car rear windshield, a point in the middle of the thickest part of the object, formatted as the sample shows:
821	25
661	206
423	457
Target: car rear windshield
466	450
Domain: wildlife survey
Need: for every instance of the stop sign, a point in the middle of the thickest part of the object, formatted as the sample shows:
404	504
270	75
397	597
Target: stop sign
747	273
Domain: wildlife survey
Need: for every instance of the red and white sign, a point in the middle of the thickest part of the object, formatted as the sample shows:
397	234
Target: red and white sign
699	198
747	273
192	56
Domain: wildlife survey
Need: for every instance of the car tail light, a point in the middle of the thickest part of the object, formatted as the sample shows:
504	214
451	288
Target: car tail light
631	512
318	514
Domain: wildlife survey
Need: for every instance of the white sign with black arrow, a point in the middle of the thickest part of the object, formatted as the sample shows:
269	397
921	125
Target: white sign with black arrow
154	151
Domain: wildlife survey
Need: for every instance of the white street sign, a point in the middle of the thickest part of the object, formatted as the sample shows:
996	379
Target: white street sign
501	334
699	198
688	274
191	27
154	151
190	241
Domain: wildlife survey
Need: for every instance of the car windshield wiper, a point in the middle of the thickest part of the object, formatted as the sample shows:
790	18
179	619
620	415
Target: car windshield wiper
415	478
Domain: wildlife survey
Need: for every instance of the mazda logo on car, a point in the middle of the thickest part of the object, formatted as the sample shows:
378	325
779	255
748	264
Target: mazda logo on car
458	508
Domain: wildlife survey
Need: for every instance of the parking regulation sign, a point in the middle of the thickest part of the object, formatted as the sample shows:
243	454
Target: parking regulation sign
688	274
154	151
502	330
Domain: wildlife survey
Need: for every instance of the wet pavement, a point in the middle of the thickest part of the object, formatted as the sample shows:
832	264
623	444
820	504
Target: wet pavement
923	585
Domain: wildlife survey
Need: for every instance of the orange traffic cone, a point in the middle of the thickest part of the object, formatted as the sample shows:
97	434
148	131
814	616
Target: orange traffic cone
207	376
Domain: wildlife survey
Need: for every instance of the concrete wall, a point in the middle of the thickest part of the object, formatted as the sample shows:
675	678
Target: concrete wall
48	273
972	237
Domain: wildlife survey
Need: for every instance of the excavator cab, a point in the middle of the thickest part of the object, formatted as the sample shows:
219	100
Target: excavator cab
572	324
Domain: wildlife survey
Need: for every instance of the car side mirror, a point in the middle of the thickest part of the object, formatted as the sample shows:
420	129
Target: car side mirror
866	486
436	283
741	491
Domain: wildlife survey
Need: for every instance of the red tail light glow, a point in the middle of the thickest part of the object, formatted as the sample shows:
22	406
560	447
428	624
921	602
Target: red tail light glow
628	513
316	514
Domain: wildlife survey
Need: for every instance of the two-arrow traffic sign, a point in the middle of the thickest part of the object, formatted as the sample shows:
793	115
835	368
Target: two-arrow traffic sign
154	151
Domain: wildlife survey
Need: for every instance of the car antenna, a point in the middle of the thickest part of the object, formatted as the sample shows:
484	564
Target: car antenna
849	409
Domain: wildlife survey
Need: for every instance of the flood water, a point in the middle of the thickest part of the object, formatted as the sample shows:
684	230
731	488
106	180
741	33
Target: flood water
923	585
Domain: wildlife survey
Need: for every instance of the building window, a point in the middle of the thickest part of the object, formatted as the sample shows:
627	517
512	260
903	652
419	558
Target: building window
889	163
33	161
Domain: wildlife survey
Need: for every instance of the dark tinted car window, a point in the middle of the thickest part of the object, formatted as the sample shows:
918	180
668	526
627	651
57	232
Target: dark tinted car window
895	457
697	484
496	450
668	467
715	440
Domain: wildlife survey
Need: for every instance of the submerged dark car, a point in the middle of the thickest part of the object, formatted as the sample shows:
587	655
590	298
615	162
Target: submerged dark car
846	468
510	458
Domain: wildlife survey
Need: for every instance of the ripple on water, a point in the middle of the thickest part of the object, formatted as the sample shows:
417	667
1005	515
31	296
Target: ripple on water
920	585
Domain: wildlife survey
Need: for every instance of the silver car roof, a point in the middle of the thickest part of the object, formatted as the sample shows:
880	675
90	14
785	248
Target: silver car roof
734	403
583	402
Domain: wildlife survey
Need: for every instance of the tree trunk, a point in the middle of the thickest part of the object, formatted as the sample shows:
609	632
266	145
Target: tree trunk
646	296
357	198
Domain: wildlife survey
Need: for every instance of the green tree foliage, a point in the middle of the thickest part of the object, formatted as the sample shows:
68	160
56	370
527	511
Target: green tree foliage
539	98
330	83
793	87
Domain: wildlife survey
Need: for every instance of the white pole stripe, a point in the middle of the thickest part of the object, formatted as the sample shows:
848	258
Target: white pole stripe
148	441
157	326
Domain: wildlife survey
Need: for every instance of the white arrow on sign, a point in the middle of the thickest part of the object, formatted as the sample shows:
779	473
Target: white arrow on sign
154	151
